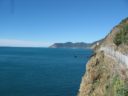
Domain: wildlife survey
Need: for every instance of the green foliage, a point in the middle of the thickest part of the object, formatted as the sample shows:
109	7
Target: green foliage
120	88
122	36
117	39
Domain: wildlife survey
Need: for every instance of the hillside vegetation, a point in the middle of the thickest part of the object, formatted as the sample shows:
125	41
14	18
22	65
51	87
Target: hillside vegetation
122	36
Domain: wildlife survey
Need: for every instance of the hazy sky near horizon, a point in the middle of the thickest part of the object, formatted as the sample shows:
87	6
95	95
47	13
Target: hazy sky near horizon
43	22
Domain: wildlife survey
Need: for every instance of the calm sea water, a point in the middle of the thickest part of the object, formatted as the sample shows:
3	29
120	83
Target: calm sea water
41	71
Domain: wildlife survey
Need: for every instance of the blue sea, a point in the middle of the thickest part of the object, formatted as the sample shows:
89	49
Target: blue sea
41	71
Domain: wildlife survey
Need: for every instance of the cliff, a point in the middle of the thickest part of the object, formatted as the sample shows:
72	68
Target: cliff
107	69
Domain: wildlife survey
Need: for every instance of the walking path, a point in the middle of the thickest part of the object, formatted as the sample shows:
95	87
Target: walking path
118	56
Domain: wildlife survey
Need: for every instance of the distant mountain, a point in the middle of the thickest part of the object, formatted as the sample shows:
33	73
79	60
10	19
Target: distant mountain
73	45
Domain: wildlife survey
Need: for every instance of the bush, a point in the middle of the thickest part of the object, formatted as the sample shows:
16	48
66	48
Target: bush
117	39
120	87
122	36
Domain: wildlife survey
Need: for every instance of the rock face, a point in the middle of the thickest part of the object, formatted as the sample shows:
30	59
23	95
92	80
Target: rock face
106	74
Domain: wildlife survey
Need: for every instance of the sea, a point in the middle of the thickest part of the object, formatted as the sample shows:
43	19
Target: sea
41	71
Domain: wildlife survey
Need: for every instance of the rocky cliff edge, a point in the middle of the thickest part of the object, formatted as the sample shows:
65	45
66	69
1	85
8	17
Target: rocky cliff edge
107	70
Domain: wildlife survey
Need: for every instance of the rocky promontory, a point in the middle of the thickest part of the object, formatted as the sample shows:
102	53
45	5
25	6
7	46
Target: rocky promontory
74	45
107	70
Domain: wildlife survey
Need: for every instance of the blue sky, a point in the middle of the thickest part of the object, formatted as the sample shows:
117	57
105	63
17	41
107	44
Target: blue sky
43	22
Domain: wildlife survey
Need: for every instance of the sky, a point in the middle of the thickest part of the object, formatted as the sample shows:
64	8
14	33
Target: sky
39	23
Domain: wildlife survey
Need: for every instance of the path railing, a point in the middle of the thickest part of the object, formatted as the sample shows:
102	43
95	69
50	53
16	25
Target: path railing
118	56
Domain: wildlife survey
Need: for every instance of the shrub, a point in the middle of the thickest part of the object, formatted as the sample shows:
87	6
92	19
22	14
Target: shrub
120	87
122	36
